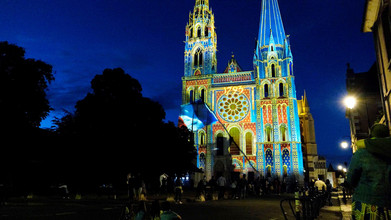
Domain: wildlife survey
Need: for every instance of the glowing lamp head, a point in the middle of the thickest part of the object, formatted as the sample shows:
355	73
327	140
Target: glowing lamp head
350	102
339	167
344	144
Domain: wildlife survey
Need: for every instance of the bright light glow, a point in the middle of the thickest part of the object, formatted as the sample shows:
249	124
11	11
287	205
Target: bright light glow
344	144
350	102
339	167
344	170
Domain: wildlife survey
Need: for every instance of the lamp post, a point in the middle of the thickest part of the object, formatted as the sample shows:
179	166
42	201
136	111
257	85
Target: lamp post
344	144
351	104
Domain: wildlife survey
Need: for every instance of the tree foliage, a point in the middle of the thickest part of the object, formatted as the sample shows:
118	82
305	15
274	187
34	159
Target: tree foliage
23	84
115	130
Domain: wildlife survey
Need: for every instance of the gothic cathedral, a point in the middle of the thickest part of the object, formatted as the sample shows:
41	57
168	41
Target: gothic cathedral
258	130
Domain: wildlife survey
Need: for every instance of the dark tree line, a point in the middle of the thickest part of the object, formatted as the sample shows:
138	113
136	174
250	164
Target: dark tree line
113	130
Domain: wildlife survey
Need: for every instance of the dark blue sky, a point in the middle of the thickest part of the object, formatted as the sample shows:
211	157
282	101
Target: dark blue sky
81	38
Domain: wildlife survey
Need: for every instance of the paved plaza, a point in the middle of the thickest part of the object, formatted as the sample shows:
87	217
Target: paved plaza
267	207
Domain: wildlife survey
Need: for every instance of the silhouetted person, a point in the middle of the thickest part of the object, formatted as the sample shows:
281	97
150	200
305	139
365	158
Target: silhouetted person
221	183
178	190
242	186
329	190
130	181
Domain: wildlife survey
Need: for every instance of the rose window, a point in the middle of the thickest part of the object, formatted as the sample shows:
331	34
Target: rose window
233	107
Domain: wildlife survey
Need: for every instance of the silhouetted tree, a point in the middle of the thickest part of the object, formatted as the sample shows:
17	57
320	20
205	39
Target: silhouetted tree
23	105
113	128
23	84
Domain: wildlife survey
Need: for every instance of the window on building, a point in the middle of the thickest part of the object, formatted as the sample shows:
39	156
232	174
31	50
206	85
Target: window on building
206	32
266	90
198	58
281	89
191	96
202	138
283	132
220	145
272	49
249	143
290	68
202	95
199	31
273	70
235	135
268	134
191	32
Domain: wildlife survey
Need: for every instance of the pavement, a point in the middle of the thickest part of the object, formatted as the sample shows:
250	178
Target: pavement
344	210
267	207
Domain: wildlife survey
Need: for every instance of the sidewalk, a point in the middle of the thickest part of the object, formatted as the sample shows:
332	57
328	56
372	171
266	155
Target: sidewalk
339	207
346	209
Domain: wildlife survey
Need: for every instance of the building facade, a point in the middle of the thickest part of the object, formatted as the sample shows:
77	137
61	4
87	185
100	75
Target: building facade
314	165
377	20
258	130
368	110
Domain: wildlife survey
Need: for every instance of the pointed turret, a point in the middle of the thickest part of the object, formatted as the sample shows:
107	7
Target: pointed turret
233	66
270	22
305	106
270	28
202	3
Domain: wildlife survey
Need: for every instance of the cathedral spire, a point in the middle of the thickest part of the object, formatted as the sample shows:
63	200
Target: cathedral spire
270	26
202	2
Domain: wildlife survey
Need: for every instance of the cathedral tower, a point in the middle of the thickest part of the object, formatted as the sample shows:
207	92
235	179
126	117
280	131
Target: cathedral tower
201	41
278	129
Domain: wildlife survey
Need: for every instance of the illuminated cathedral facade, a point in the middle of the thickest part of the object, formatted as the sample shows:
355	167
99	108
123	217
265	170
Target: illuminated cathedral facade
258	130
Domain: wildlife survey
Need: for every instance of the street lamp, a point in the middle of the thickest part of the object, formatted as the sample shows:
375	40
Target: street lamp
350	102
344	144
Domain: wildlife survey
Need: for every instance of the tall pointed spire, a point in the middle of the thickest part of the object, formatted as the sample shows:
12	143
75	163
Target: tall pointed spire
270	23
202	2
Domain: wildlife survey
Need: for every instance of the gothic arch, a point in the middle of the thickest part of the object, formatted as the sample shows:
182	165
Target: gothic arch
198	57
283	133
202	94
268	133
281	84
235	132
190	95
201	137
250	147
219	138
266	90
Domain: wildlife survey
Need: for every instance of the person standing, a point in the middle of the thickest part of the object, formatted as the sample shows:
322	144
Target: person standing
178	190
370	177
221	182
329	189
320	185
130	181
242	185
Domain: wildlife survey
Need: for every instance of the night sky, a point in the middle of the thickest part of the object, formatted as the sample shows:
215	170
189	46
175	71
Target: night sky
81	38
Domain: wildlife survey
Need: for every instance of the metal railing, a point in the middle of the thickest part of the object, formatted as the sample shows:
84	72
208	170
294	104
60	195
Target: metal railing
305	205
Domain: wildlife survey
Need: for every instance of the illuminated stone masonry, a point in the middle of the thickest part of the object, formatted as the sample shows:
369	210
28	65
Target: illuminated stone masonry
258	130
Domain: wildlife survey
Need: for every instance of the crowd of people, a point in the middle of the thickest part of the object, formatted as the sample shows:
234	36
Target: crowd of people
242	187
